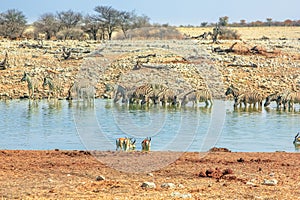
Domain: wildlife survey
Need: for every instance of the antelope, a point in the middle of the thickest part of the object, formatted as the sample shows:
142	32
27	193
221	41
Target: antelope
297	140
146	144
125	144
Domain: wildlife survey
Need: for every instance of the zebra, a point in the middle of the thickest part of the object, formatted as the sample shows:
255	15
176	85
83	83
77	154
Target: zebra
199	95
272	97
249	98
165	95
122	92
142	93
289	98
81	90
55	87
32	84
235	92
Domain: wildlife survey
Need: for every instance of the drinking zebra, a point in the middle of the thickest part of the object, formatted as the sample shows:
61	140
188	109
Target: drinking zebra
272	97
81	90
123	93
289	99
55	88
32	84
165	95
142	94
235	92
196	96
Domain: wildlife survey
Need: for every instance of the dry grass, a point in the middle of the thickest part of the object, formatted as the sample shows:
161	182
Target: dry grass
251	32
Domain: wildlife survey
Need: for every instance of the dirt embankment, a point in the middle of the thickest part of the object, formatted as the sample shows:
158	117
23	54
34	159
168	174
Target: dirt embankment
216	175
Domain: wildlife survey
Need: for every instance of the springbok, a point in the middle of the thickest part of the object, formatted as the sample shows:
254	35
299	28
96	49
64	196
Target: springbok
146	144
125	144
297	140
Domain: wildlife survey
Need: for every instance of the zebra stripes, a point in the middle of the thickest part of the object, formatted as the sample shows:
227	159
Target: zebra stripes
240	97
272	97
288	99
196	96
251	98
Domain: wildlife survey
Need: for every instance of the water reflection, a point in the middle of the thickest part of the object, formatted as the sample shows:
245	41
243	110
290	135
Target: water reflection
43	124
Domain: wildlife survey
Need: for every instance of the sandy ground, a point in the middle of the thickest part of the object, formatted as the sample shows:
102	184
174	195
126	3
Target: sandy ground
60	174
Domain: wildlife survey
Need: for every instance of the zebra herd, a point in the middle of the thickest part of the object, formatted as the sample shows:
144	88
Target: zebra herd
285	100
156	94
78	90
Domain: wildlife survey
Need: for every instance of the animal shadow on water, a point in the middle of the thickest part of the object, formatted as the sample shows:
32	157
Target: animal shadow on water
247	109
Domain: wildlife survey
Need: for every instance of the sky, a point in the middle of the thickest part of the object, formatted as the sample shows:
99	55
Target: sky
172	12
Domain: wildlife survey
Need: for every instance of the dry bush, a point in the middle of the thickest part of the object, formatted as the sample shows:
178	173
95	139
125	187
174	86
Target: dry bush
72	34
163	33
228	34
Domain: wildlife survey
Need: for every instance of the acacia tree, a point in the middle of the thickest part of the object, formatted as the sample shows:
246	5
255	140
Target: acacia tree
223	21
48	24
91	26
12	23
109	18
68	19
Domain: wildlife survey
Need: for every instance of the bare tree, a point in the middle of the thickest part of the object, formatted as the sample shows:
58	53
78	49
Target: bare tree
91	26
48	24
109	17
140	21
68	19
12	23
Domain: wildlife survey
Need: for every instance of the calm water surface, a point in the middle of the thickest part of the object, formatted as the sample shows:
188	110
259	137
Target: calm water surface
63	125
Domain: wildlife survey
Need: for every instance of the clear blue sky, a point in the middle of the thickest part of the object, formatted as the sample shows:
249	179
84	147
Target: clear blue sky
173	12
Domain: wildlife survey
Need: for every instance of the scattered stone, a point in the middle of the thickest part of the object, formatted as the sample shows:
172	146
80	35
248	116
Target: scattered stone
271	182
179	195
148	185
168	185
250	183
100	178
150	174
241	160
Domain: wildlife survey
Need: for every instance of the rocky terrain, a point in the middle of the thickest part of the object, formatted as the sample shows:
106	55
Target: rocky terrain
265	64
219	174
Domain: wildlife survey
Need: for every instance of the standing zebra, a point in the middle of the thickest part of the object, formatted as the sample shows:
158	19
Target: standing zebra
55	87
249	98
32	84
244	97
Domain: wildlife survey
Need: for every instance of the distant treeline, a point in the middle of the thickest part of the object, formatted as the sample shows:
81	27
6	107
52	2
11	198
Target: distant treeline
224	21
101	24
